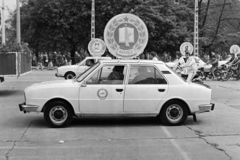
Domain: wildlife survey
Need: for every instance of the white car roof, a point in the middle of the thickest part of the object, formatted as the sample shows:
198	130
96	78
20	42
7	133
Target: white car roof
98	58
131	61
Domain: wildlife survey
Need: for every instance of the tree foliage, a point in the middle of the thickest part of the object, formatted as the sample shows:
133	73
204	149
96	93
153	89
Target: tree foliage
65	25
221	25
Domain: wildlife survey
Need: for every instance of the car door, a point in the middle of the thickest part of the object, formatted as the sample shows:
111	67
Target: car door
101	94
145	90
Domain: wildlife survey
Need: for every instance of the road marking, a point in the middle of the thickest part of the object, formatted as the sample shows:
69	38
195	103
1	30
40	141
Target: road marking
184	154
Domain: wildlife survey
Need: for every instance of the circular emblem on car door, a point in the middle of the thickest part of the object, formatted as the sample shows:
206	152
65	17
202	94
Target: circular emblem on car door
102	94
126	36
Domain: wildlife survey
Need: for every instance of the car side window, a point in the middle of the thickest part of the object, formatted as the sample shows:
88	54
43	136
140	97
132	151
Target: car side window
145	75
111	74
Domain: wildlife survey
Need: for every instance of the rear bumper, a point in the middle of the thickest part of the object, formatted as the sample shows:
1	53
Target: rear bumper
205	108
28	108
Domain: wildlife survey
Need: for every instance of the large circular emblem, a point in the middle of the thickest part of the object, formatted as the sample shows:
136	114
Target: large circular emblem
102	94
235	49
186	46
126	36
96	47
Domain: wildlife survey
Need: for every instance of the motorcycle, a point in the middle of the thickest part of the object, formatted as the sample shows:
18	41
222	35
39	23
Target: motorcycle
206	73
196	78
231	72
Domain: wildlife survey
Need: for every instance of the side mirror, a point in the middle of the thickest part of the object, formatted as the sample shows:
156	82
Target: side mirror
84	84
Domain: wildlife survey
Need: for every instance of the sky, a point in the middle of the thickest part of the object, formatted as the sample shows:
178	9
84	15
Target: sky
11	4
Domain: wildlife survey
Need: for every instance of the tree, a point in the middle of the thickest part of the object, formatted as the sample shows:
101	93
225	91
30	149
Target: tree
219	25
64	25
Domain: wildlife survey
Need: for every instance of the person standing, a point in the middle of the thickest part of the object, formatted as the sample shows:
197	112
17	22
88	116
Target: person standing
153	56
177	62
34	60
59	59
50	63
237	64
40	61
165	57
169	57
214	62
54	58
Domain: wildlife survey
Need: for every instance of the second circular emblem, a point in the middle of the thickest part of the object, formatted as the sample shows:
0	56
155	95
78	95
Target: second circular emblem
96	47
126	36
186	47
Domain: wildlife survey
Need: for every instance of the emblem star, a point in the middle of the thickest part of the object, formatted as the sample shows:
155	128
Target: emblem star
126	19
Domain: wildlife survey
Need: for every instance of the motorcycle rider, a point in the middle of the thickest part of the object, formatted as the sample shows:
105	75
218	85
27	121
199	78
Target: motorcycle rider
233	59
189	66
214	63
237	64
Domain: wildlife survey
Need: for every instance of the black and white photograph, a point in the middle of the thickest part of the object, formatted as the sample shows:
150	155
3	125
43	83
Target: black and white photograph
120	80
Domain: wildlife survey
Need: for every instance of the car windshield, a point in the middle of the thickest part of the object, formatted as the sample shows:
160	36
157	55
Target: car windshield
87	72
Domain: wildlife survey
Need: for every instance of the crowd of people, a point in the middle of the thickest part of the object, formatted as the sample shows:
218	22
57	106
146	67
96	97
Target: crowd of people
52	59
56	59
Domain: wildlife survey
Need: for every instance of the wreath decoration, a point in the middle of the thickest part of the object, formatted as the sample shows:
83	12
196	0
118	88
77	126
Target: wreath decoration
110	33
140	27
142	34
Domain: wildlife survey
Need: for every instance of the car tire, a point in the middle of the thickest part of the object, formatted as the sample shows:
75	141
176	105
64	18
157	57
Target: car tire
174	113
69	75
58	114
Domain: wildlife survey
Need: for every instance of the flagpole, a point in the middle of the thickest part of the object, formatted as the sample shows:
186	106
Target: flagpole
93	20
195	43
3	24
18	24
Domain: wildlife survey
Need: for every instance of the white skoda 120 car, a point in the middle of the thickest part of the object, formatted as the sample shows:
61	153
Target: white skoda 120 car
119	88
70	71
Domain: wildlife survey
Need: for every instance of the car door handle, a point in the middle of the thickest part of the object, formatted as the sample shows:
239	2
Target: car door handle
161	90
119	90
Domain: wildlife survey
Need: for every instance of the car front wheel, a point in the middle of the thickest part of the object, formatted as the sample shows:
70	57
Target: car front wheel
174	113
69	75
58	114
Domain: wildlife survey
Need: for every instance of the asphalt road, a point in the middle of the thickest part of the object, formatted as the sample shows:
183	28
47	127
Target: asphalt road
215	136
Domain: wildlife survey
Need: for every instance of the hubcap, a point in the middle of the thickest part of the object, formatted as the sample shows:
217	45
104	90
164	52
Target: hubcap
69	76
174	113
58	114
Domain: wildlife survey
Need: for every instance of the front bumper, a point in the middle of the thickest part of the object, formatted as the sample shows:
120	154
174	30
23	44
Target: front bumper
28	108
1	79
58	75
205	108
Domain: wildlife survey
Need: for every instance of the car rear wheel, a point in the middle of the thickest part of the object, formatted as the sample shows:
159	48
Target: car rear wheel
69	75
58	114
174	113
